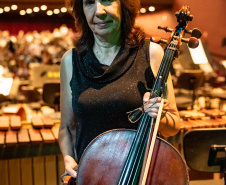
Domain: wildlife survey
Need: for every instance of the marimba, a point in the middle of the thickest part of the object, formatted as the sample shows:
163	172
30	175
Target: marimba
207	118
29	152
203	119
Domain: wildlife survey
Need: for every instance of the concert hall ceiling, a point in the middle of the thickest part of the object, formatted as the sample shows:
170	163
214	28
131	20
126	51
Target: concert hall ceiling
52	4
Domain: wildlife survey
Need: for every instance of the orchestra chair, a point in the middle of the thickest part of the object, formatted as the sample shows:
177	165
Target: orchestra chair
189	80
205	151
51	95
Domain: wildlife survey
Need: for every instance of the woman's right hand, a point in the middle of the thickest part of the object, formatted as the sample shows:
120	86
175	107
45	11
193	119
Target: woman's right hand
70	164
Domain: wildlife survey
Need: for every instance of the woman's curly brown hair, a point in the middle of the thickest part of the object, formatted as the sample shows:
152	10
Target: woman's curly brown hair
131	36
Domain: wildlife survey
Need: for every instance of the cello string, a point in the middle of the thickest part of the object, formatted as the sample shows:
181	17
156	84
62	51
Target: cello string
166	67
162	66
140	154
138	171
130	160
171	56
151	148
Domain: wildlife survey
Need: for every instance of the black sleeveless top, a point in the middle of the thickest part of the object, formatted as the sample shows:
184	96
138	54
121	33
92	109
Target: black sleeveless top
101	95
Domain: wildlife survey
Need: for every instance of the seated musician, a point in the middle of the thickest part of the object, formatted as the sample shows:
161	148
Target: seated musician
109	73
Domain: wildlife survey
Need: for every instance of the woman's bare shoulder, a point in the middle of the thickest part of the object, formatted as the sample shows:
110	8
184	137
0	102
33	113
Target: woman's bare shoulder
155	50
156	54
66	63
67	57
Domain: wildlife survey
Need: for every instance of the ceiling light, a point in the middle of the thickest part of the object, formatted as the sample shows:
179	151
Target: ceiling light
63	9
29	11
56	11
36	9
143	10
49	12
14	7
151	8
43	7
22	12
7	9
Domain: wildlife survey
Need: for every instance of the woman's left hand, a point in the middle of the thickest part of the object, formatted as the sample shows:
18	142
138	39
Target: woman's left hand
151	105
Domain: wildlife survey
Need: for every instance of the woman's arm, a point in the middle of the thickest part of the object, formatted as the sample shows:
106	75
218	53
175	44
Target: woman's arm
170	122
67	129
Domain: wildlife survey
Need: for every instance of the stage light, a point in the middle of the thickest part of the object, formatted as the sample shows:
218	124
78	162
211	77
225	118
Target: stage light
29	11
56	11
43	7
7	9
22	12
14	7
49	12
151	8
143	10
36	9
63	9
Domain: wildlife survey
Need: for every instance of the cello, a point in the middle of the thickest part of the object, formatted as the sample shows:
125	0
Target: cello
129	157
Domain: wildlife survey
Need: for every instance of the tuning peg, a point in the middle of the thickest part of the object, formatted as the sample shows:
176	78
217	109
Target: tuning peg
166	28
192	42
158	40
194	33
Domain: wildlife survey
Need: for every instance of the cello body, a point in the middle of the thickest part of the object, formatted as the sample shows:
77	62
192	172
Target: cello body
104	158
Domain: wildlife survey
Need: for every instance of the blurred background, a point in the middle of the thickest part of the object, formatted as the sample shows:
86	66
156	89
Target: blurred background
35	34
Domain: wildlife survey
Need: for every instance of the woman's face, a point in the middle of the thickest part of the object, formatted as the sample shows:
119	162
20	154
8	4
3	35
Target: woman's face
103	16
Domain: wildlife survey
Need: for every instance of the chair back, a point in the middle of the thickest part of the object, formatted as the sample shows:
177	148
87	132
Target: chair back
51	94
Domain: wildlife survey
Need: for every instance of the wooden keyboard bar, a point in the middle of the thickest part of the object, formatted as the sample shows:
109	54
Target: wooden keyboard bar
192	124
2	138
15	122
35	135
185	125
23	136
213	123
213	113
198	124
191	114
4	123
47	121
47	136
55	131
37	122
11	137
206	123
221	122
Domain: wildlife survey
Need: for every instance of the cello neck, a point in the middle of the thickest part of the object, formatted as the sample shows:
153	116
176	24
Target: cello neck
159	86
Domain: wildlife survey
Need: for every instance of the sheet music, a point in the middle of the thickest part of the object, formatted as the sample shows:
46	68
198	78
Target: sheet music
199	57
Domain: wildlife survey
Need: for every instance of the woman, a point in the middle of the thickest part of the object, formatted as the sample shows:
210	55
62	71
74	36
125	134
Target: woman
107	75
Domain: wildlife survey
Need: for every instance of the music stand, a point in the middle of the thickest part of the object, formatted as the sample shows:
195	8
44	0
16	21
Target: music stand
191	80
205	150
